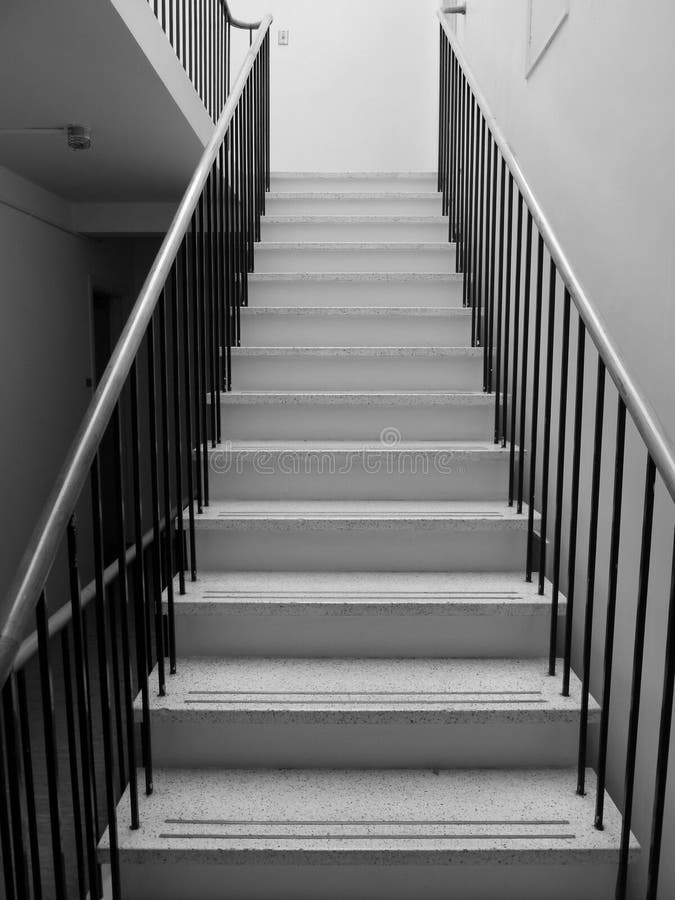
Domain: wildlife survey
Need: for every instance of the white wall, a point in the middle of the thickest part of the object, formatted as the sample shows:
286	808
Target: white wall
594	132
355	89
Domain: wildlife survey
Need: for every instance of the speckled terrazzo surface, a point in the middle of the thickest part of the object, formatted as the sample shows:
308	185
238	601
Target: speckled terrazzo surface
317	514
405	277
359	398
333	816
367	691
410	352
364	593
443	312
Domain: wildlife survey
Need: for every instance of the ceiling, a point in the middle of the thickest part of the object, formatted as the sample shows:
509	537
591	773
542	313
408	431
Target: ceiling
76	61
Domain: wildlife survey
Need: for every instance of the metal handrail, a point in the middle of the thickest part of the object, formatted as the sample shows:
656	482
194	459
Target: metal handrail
237	23
653	434
20	601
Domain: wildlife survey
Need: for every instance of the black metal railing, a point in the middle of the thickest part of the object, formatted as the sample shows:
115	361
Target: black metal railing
200	32
121	521
516	279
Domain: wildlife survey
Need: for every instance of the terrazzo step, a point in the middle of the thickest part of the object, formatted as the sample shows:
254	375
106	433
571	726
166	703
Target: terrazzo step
349	326
363	614
354	203
357	415
354	289
228	834
340	470
354	181
435	257
357	368
368	535
354	228
365	713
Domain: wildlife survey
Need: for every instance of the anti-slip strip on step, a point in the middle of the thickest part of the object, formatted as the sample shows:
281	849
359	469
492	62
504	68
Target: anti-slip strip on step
452	277
351	246
414	694
413	704
368	837
353	195
337	219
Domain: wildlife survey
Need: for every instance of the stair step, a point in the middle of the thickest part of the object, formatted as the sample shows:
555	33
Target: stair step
363	614
358	368
343	256
369	202
355	326
354	289
382	536
354	181
307	713
398	834
390	469
354	228
357	415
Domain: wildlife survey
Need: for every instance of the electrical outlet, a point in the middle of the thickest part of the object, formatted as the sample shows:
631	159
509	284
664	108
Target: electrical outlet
283	37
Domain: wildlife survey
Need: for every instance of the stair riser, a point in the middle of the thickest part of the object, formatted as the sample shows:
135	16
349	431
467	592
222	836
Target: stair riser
440	261
160	879
357	373
295	422
197	742
382	636
355	293
357	182
354	331
354	206
354	231
364	548
366	475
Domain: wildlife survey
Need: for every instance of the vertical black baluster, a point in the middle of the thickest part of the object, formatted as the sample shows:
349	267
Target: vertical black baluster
454	160
486	290
516	334
500	301
507	310
468	141
187	400
29	785
441	102
560	472
51	749
14	783
177	442
615	537
212	304
195	272
166	480
123	597
116	687
477	313
142	644
535	409
104	683
590	576
203	349
227	261
475	163
156	532
72	761
493	245
663	746
574	507
550	328
636	683
183	35
83	710
523	380
5	827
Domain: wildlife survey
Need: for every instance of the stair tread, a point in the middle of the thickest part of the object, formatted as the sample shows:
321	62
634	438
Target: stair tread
337	219
368	691
448	277
454	448
357	350
365	593
466	515
345	246
361	398
353	195
324	815
374	311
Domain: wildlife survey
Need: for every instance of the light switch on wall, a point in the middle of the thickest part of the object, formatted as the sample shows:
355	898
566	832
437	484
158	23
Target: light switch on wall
283	37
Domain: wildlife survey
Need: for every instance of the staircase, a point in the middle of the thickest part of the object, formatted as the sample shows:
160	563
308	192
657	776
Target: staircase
362	708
